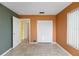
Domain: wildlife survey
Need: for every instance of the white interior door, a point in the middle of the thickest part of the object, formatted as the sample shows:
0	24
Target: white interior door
44	31
16	38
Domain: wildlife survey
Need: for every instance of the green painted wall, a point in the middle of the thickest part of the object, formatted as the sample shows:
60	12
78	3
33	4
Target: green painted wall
5	28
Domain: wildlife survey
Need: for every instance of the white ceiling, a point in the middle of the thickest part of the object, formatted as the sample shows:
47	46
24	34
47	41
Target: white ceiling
33	8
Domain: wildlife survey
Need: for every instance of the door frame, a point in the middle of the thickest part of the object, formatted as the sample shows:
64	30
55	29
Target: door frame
52	30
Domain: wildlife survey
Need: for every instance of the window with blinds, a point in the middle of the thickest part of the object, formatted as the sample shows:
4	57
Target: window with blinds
73	28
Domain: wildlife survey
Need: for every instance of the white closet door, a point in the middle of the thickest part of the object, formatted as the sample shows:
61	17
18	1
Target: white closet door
16	38
44	31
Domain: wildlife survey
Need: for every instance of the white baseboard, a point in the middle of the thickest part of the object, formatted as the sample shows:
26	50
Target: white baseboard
54	43
6	52
64	50
33	42
39	42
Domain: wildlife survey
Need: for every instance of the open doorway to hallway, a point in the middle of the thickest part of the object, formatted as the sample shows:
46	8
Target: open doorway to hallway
25	30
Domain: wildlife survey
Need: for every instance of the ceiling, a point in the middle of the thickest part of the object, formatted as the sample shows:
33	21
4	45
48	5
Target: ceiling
33	8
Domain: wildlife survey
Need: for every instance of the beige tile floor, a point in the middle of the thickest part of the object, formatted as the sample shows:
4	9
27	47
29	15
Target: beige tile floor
41	49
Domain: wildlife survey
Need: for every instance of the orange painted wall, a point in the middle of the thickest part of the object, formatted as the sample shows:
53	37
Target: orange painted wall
61	28
34	19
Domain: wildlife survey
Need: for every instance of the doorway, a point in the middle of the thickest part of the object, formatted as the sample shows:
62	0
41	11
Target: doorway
25	30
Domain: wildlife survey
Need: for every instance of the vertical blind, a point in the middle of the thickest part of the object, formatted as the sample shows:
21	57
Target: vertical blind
73	28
